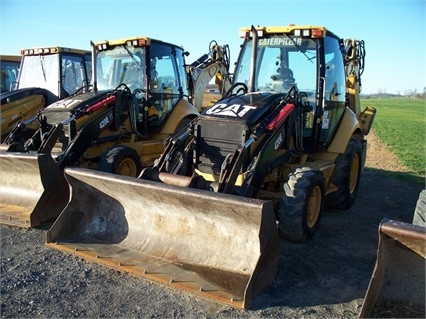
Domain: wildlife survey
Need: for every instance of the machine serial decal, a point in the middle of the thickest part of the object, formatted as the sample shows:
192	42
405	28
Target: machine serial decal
325	120
105	121
278	141
236	110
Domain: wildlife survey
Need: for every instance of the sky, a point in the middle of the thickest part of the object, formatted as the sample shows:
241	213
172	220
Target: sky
394	31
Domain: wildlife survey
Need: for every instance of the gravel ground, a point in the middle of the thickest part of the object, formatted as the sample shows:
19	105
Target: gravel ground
326	277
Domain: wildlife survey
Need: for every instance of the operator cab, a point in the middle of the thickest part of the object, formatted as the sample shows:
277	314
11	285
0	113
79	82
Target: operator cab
306	58
61	71
153	71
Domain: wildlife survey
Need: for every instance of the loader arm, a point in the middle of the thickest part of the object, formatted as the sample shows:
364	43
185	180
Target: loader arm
262	161
278	129
88	135
274	126
16	139
45	191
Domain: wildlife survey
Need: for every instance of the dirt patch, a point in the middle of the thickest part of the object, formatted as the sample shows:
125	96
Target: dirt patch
326	277
380	157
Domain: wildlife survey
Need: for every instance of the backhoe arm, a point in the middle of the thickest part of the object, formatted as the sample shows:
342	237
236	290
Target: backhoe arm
215	64
354	67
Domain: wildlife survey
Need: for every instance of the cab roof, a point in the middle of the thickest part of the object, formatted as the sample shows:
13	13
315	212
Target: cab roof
136	40
51	50
311	30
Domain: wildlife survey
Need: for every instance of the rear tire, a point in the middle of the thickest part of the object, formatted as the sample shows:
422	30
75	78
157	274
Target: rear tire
301	206
120	160
346	176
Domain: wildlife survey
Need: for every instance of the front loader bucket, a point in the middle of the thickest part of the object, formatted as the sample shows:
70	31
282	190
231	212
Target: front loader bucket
33	190
398	281
217	246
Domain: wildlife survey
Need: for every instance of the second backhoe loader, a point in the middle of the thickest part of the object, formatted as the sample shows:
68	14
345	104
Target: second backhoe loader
286	139
46	75
140	96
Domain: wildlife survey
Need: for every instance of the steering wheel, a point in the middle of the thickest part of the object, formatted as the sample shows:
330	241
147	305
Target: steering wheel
302	95
133	85
239	88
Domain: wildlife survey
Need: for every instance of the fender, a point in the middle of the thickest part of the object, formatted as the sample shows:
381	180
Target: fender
347	128
183	109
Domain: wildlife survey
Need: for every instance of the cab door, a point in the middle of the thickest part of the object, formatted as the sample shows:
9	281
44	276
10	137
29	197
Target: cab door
334	88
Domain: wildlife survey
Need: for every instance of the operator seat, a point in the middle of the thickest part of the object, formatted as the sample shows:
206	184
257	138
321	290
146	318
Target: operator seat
284	80
286	76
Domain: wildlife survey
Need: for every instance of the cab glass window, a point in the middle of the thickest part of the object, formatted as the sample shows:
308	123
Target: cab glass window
164	81
283	61
335	88
121	65
9	74
73	73
40	71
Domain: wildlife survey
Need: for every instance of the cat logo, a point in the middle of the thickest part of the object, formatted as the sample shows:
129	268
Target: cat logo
235	110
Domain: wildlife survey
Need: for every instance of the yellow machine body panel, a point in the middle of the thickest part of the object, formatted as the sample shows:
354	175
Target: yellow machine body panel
18	110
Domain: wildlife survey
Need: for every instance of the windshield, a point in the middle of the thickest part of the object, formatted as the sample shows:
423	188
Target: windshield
40	71
282	62
44	71
121	65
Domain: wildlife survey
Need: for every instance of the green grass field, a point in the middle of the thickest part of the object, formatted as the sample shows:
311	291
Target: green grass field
400	123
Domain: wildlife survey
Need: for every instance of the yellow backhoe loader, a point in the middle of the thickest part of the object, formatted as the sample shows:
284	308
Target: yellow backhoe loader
140	97
45	76
286	139
397	285
9	65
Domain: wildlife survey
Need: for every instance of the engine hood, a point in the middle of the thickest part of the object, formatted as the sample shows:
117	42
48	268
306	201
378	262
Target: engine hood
250	107
15	95
73	102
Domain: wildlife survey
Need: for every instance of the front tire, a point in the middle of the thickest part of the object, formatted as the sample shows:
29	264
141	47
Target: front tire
120	160
300	208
